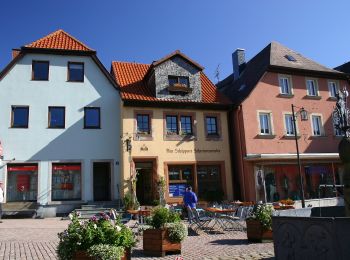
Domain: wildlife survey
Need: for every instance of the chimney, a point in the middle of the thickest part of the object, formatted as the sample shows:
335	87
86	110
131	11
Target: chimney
15	52
238	62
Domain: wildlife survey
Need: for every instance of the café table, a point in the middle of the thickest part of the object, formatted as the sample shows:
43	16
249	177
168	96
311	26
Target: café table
220	216
140	215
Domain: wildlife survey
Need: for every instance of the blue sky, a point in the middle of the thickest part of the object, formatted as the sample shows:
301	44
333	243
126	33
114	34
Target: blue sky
205	30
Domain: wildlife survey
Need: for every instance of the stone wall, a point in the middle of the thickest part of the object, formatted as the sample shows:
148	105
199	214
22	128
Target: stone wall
177	66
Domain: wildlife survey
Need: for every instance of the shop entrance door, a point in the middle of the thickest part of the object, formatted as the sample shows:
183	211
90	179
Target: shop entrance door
102	181
144	183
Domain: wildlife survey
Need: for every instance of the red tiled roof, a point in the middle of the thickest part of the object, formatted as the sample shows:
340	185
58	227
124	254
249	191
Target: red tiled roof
130	78
59	40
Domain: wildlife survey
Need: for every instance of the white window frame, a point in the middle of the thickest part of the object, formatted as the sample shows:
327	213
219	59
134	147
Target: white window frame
315	86
330	88
285	114
321	129
269	113
288	79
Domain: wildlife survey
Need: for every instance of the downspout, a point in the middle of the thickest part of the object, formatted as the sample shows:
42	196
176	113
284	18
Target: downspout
239	113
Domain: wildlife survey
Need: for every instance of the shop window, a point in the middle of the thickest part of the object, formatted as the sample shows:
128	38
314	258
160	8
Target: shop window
57	117
20	116
40	70
66	181
209	183
143	124
76	71
92	118
22	182
179	178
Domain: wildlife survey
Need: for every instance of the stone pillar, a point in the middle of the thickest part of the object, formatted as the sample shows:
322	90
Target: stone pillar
344	154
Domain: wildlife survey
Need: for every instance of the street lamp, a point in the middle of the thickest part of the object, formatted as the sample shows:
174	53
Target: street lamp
304	117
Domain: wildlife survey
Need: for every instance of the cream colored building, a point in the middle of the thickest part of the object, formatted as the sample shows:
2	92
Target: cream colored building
174	125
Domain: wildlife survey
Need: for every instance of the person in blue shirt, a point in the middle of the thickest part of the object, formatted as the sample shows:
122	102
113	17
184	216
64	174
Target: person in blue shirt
190	201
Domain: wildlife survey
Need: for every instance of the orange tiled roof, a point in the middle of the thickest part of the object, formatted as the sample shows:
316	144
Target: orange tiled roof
130	78
59	40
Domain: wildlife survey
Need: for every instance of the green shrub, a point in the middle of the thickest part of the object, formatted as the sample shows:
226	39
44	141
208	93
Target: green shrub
106	252
177	231
82	235
160	216
263	213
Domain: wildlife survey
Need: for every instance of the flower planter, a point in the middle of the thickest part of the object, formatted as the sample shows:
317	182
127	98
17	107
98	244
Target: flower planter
156	243
83	255
256	232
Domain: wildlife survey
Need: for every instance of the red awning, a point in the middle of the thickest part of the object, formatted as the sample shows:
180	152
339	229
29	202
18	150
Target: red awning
67	167
24	168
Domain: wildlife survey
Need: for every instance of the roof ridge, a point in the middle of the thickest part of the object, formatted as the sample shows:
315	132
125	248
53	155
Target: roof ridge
56	33
131	62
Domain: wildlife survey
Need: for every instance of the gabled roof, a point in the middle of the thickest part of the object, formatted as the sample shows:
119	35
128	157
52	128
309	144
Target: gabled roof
177	53
344	68
59	40
274	57
133	86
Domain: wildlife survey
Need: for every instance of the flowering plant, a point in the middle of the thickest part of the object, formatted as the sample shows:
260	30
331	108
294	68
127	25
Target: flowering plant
263	214
98	230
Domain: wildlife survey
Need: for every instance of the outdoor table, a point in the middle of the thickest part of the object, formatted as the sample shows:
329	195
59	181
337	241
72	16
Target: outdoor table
140	215
217	215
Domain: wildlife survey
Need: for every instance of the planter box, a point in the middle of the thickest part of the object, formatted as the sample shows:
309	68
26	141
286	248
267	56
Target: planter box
82	255
256	232
156	243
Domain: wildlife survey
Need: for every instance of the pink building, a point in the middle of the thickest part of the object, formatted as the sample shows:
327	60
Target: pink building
263	144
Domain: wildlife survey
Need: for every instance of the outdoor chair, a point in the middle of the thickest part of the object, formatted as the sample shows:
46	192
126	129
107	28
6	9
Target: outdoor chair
197	219
237	221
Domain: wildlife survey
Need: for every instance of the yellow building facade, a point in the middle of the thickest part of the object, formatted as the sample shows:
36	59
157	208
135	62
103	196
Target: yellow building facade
174	125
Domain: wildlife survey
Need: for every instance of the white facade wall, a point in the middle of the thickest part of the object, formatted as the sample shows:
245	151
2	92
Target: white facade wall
42	145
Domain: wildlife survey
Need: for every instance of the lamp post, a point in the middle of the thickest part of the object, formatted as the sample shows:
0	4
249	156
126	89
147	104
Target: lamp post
304	117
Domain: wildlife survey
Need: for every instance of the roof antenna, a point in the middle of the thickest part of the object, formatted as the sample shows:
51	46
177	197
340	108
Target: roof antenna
217	73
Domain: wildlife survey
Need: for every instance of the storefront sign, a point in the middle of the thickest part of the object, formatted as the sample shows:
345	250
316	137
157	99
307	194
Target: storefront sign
177	190
67	167
22	168
191	151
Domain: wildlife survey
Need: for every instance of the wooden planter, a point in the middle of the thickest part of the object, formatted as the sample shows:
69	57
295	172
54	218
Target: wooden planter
156	242
83	255
256	232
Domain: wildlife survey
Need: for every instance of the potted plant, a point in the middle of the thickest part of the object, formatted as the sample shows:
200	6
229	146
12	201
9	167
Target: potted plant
259	224
166	233
96	238
286	204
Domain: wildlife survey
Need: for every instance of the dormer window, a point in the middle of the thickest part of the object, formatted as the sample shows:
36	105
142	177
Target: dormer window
179	81
179	84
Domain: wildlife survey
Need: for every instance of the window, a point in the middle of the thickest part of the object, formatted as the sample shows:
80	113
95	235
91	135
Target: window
285	85
212	125
40	70
311	87
179	178
316	125
57	117
171	125
186	125
66	181
22	182
181	80
288	120
333	88
290	58
92	118
20	115
209	182
143	125
265	124
76	71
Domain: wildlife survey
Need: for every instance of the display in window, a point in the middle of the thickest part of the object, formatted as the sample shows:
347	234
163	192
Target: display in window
66	182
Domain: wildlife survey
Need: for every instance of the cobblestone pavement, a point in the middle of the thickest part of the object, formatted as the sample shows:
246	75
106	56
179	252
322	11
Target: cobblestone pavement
37	239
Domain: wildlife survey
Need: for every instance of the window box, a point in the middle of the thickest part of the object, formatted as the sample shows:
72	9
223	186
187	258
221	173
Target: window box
291	136
285	95
182	88
261	136
312	97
